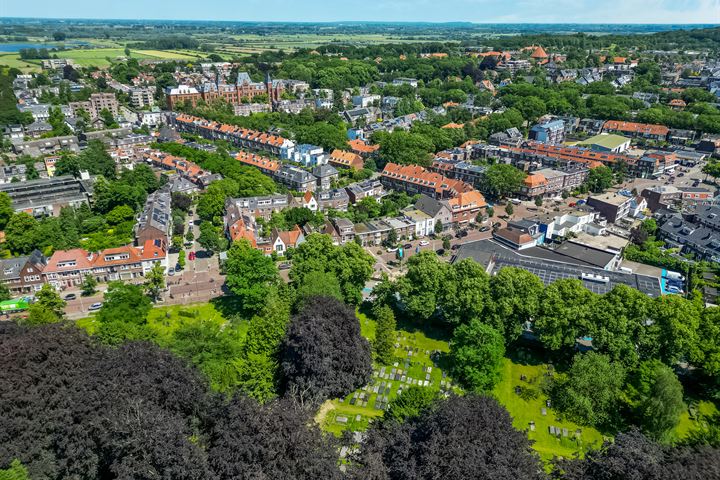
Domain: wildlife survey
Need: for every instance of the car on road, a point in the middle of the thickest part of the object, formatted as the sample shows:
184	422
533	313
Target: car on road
171	272
464	233
440	251
497	225
95	306
392	249
70	296
407	246
681	174
191	256
484	228
284	266
424	243
455	247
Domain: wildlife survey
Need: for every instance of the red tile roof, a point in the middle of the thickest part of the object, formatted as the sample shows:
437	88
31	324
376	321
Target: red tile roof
632	127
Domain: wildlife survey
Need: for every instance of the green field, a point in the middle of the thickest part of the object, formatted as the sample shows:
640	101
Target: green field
98	57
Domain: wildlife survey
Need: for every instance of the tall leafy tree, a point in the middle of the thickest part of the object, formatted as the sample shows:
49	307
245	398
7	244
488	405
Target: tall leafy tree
465	292
591	391
155	281
249	275
384	344
565	309
514	300
477	351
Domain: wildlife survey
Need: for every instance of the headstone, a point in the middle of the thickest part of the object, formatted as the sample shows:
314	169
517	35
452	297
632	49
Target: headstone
341	419
532	426
547	403
402	379
375	389
565	432
429	369
398	377
353	400
393	370
358	417
543	411
552	429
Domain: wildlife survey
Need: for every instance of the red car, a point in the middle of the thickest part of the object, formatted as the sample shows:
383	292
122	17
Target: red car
191	256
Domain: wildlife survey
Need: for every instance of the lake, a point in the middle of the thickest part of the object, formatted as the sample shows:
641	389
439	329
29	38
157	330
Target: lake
16	47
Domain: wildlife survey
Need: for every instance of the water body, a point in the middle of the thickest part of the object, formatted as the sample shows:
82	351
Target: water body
16	47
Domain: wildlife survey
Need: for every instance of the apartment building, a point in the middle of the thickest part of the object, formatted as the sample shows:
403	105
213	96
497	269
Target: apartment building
141	97
415	179
637	130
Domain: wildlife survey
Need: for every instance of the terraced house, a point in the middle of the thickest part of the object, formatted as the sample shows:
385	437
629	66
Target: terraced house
415	179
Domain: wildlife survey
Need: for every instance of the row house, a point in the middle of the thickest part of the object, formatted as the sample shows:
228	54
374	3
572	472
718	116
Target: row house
342	159
68	268
187	169
459	170
257	207
24	274
326	175
240	137
549	182
264	164
362	148
296	178
415	179
466	206
369	188
637	130
155	221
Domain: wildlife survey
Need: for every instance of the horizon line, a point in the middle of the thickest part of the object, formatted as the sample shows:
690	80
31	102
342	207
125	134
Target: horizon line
330	22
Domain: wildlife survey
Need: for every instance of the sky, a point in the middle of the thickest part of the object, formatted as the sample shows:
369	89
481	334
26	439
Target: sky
481	11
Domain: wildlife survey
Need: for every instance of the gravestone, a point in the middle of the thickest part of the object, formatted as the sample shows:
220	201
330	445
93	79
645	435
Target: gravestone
543	411
341	419
565	432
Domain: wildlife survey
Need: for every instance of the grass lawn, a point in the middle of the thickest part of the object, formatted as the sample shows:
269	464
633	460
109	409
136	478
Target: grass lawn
525	411
13	60
164	320
687	423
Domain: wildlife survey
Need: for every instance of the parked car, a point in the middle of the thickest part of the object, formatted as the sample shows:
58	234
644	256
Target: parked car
171	271
70	296
455	247
407	246
191	256
484	228
497	225
424	243
464	233
440	251
284	266
392	249
681	174
95	306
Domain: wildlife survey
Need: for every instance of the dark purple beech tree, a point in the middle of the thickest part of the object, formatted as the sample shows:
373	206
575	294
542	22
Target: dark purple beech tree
633	456
462	438
323	354
276	440
72	408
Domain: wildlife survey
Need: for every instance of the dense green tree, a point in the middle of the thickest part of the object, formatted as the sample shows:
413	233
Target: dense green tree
16	472
155	281
89	286
656	397
502	179
350	264
249	275
6	210
476	352
514	300
465	291
19	233
384	343
123	315
420	289
210	238
318	283
600	179
565	310
591	390
412	402
674	329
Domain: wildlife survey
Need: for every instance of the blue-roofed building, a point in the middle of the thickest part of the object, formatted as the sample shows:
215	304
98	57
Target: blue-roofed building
552	132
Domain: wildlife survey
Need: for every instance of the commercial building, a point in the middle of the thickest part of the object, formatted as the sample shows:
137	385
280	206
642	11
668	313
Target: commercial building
612	206
47	196
607	142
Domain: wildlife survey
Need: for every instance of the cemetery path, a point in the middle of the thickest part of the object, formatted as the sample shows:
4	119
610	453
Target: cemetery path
324	409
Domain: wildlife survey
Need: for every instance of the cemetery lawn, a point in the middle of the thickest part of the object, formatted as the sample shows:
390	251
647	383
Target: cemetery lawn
415	350
525	411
